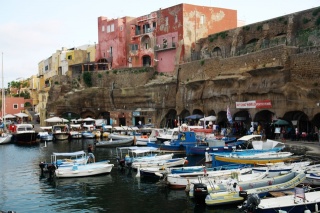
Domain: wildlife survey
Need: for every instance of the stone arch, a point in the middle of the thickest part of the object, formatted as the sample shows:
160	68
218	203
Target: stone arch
87	113
146	60
145	42
211	112
242	116
216	52
70	115
184	113
169	120
299	119
222	119
264	118
316	120
197	111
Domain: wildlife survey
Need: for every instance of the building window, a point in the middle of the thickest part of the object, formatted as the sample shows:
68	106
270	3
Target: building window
112	28
102	29
15	106
21	105
108	29
167	21
134	47
202	19
121	28
146	46
69	57
110	51
176	18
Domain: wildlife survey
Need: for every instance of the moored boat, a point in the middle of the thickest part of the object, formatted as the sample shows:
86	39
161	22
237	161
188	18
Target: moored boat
114	143
60	132
298	202
255	158
25	134
233	195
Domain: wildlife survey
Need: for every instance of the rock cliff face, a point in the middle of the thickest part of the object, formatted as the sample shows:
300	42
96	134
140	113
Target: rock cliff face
278	59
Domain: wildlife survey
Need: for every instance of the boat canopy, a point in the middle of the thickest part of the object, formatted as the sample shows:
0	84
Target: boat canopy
46	127
250	137
69	153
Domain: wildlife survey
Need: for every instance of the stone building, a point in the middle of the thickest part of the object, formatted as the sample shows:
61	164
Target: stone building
261	72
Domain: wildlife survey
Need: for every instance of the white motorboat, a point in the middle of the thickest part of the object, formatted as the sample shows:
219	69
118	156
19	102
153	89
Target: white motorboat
91	169
159	163
79	167
299	201
60	132
180	181
75	131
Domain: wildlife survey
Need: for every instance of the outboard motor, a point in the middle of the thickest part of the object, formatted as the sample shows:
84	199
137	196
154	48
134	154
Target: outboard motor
250	204
51	170
42	166
200	191
121	163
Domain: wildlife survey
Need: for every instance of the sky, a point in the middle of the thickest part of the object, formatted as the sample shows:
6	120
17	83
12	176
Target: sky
31	31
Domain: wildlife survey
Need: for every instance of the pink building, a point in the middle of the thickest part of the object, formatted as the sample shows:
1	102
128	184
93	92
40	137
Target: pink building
163	38
14	105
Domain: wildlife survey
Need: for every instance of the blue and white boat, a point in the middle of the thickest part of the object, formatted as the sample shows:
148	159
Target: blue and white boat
183	140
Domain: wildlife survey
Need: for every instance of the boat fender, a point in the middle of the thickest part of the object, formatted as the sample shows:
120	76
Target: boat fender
307	211
186	162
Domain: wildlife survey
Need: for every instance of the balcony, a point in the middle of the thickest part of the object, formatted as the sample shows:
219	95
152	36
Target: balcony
165	46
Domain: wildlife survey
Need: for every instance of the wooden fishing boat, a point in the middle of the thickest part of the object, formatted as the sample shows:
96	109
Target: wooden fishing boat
255	158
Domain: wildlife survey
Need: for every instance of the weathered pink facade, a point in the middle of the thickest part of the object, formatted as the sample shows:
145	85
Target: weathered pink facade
181	26
161	39
113	41
14	105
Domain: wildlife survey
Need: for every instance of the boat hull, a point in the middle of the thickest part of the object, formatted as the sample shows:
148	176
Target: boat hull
222	160
84	170
114	143
60	136
27	138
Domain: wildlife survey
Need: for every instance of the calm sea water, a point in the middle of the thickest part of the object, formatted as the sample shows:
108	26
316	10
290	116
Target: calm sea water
23	190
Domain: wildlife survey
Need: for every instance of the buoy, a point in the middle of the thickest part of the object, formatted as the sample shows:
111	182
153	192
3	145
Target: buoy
316	207
186	162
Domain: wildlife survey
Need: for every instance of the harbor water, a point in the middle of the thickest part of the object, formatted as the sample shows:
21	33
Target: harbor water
23	189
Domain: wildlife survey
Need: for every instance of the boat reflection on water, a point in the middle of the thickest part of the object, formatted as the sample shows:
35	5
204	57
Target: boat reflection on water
75	187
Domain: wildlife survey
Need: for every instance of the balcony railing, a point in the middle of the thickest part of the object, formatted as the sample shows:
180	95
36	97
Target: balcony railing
165	46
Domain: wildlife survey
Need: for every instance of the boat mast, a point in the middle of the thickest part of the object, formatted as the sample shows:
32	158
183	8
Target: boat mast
3	98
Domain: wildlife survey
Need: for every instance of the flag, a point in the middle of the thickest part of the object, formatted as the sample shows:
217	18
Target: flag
229	116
